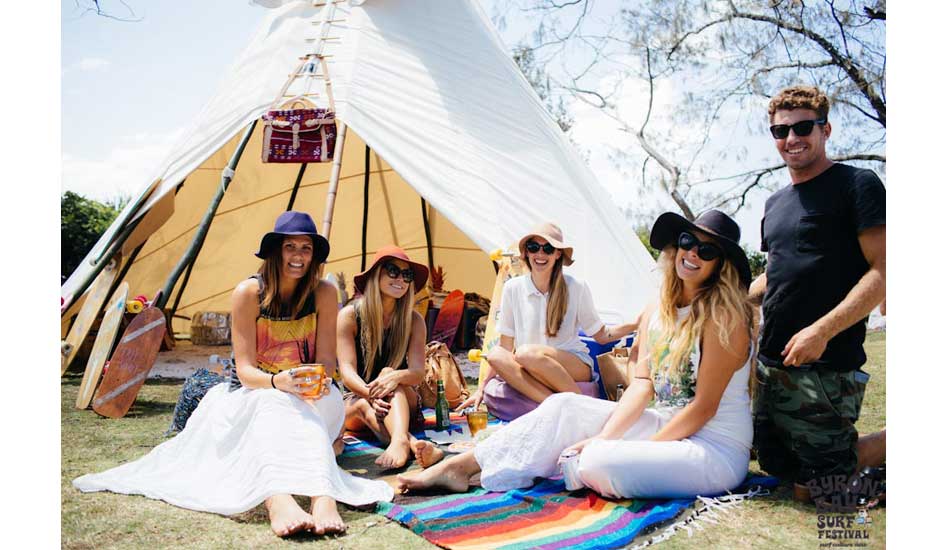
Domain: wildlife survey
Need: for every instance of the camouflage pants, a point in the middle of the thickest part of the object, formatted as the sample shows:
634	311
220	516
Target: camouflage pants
804	421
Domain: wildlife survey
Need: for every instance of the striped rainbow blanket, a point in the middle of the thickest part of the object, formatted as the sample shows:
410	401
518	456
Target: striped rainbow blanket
544	516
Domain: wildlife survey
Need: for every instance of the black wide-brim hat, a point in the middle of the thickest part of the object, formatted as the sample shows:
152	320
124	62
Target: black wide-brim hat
714	223
294	223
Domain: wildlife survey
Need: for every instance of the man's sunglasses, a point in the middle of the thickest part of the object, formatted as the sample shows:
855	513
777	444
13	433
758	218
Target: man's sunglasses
801	128
707	251
393	271
533	247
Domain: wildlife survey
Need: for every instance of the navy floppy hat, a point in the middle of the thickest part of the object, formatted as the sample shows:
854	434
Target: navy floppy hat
294	223
714	223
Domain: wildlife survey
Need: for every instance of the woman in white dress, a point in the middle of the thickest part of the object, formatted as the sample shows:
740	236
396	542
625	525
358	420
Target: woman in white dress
694	354
272	438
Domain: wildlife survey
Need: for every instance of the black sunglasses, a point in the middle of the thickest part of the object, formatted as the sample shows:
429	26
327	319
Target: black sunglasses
533	247
707	251
393	271
801	128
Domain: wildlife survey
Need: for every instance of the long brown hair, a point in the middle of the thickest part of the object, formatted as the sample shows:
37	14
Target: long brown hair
557	297
370	310
270	279
722	300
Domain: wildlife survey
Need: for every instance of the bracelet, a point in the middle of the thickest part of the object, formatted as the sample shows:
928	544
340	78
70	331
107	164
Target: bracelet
272	381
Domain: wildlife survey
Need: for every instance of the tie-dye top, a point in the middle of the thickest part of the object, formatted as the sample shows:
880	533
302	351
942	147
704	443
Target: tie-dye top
284	342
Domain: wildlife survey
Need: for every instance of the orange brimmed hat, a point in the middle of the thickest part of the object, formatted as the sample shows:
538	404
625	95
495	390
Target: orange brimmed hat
420	272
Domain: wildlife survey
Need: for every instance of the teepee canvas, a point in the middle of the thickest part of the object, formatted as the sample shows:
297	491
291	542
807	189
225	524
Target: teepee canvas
438	120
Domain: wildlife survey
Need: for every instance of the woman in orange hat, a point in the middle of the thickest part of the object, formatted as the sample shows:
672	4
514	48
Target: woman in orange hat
540	352
381	352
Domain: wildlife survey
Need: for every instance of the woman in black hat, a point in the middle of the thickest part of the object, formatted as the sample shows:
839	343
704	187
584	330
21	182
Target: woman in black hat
272	438
381	349
693	362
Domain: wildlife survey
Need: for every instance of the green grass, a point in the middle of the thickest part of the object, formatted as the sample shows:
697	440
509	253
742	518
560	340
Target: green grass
105	520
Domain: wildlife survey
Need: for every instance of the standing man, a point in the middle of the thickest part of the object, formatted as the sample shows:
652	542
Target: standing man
825	239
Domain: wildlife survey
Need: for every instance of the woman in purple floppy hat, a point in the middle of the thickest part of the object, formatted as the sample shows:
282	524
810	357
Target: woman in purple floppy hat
272	437
540	352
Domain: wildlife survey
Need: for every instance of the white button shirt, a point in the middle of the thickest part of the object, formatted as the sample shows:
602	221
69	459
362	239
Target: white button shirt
524	314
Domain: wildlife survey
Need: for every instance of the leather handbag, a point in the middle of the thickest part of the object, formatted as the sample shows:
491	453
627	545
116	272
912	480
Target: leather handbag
298	132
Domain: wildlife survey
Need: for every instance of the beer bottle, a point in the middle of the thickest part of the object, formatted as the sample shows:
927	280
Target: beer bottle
442	421
619	391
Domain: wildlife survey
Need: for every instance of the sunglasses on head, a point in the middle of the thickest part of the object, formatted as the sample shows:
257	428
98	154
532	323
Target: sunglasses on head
394	271
801	128
533	247
707	251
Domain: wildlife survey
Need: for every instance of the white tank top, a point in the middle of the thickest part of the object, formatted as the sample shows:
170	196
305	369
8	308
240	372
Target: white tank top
733	418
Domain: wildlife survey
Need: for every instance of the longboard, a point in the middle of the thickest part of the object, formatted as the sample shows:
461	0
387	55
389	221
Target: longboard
108	330
130	363
509	265
87	315
450	315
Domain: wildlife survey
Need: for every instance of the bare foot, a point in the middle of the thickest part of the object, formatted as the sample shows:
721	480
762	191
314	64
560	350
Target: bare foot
326	518
395	456
426	452
446	475
286	516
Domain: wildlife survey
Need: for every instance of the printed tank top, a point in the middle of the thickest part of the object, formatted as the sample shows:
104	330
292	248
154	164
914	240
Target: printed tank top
284	342
733	418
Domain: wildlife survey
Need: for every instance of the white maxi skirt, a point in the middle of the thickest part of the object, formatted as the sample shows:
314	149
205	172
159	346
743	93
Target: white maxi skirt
240	448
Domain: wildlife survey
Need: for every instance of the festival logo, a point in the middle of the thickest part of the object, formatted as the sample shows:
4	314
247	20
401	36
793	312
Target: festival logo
842	503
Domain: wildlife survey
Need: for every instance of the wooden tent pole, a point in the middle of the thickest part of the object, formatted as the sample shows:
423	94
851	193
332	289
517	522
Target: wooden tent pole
425	225
365	208
334	182
293	194
226	176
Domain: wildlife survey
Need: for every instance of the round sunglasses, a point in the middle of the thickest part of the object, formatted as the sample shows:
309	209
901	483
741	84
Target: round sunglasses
802	128
707	251
534	246
394	271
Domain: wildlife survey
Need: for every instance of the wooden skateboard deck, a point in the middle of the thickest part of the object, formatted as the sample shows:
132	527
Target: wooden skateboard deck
450	315
130	363
509	265
98	293
108	330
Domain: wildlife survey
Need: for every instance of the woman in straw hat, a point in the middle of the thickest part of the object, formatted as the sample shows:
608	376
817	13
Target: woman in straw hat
381	349
540	352
273	437
693	363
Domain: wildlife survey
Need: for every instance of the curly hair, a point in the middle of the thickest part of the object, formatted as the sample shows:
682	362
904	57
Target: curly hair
800	97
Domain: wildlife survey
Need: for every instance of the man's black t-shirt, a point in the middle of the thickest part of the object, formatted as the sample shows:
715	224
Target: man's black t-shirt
810	231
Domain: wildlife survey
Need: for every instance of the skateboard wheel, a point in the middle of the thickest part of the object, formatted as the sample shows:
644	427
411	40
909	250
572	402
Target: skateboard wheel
474	355
134	306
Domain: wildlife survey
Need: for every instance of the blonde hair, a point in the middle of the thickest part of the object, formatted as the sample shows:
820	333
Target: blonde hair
370	310
723	300
270	279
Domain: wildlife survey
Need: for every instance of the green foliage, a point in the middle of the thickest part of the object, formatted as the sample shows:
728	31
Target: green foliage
644	233
82	221
757	261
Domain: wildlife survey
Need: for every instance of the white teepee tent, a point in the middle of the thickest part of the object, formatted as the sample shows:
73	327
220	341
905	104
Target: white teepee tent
435	109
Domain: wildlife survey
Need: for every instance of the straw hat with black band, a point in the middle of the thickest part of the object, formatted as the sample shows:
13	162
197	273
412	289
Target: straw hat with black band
391	252
294	223
718	225
551	233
